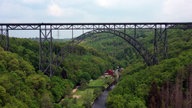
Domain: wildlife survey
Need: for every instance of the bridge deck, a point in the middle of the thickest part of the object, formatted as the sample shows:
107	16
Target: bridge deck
80	26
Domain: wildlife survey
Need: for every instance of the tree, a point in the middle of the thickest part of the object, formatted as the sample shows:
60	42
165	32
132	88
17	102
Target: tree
88	99
116	101
13	64
2	95
46	101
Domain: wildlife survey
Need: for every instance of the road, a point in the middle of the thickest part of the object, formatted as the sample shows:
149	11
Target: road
101	100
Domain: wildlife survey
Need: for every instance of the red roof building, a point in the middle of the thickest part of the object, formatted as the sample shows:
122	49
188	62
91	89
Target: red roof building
109	72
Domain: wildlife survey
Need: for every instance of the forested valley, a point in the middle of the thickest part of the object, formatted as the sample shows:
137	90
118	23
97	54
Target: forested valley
22	85
167	84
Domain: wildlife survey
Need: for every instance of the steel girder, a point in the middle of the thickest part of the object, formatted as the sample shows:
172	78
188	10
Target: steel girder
90	26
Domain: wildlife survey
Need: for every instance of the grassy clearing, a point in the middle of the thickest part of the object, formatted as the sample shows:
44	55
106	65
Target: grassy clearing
92	91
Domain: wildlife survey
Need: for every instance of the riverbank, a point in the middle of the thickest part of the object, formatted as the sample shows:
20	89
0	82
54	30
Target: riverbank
85	96
100	102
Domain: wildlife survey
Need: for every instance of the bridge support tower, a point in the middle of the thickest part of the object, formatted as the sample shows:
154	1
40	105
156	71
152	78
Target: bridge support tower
46	49
4	38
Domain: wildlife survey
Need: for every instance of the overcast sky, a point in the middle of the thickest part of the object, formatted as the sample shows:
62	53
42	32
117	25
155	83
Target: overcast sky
66	11
38	11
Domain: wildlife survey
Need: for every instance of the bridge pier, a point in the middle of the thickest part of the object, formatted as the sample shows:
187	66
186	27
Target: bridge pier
165	43
4	39
135	31
46	49
160	42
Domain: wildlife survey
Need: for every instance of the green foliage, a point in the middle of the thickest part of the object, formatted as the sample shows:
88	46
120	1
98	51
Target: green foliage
135	103
25	86
36	82
115	47
88	99
85	67
14	91
2	95
97	92
60	87
13	64
21	86
27	49
117	101
135	84
70	103
46	101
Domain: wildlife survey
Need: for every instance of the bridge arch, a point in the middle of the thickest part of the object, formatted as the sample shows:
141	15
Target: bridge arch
149	58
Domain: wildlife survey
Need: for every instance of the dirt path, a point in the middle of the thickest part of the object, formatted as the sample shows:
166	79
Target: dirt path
74	91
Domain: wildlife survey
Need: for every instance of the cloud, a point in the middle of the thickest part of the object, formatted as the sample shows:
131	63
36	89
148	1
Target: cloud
33	1
176	10
126	4
15	11
95	10
106	3
55	10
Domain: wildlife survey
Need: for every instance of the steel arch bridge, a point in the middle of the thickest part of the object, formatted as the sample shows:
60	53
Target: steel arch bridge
119	29
145	54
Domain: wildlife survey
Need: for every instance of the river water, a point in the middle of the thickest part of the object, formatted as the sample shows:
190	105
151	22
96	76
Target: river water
101	100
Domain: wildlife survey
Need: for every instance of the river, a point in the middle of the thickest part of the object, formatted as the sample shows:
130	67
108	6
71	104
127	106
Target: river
101	100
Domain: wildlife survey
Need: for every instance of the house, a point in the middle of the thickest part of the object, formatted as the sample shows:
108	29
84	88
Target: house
109	72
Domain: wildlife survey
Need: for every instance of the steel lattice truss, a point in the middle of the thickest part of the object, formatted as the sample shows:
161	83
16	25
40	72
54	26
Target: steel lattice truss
119	29
80	26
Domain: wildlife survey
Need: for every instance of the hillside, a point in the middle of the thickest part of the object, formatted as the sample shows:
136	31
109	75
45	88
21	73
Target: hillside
22	85
167	84
112	46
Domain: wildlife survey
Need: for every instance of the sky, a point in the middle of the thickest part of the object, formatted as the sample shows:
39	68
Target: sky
38	11
73	11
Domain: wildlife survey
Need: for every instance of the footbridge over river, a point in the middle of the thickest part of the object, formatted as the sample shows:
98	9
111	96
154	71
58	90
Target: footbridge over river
118	29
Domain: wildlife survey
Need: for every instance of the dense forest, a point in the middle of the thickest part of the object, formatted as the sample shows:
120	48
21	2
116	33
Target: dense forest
22	85
167	84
